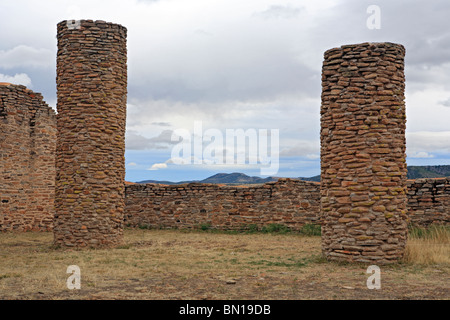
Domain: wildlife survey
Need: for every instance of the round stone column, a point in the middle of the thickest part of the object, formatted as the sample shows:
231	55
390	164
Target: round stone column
90	169
363	161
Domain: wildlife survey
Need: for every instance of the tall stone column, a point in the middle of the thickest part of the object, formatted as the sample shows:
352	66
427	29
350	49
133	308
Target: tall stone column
363	167
90	169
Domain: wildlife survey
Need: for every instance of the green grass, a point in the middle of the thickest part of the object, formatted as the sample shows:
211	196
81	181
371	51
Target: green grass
311	229
429	233
275	228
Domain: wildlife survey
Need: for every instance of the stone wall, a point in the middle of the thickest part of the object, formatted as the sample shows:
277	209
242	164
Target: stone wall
289	202
363	160
27	158
92	95
429	201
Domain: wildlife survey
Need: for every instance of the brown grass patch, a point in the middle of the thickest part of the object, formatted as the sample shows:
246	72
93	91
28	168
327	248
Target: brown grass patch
171	264
428	245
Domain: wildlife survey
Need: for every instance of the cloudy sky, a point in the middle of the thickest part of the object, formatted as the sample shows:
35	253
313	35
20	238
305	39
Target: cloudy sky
233	64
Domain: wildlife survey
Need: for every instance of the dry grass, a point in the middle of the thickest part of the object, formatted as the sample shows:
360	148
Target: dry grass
428	246
164	264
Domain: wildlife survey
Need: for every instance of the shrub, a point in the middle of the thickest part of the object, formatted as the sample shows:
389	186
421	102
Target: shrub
311	229
275	228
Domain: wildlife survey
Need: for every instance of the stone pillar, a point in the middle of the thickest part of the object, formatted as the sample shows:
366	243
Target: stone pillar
363	166
92	95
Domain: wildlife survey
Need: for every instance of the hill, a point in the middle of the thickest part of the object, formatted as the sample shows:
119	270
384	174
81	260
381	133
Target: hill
415	172
236	178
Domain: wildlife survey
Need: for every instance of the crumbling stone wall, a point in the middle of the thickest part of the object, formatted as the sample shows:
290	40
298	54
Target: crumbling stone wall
91	91
289	202
293	203
27	160
428	201
363	167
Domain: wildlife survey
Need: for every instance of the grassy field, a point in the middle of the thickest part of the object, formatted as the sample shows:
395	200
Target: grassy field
175	264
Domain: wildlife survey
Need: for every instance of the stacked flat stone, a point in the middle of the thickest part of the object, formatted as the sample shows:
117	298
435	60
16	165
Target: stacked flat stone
27	160
428	201
363	167
92	95
289	202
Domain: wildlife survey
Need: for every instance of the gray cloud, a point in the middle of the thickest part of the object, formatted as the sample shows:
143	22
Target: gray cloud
232	65
25	56
280	12
161	124
135	141
445	103
302	148
426	142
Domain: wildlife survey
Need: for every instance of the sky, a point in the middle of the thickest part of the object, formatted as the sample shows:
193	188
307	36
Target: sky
253	65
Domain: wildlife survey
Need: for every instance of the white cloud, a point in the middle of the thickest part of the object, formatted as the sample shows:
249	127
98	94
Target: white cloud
302	148
445	103
26	56
157	166
18	78
136	141
132	164
421	155
280	12
240	64
313	156
423	143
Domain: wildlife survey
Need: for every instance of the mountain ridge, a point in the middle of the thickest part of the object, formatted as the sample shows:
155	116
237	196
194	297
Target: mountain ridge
236	178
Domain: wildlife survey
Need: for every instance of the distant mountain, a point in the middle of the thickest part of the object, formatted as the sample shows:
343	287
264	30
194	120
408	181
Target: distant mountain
414	172
315	178
236	178
221	178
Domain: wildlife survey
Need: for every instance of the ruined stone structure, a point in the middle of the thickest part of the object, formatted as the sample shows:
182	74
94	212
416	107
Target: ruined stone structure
292	203
428	201
363	167
27	156
90	169
361	202
289	202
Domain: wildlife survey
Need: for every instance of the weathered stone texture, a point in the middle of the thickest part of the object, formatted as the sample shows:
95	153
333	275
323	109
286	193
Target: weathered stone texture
27	158
289	202
293	203
92	90
363	167
428	201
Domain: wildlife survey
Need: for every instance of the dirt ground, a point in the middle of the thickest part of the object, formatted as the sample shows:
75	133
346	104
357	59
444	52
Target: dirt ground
174	264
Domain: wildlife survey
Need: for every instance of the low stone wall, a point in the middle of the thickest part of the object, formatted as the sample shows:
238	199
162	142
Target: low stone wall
289	202
428	201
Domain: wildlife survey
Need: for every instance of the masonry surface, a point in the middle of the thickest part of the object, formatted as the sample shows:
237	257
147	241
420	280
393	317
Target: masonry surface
293	203
362	156
364	202
27	156
90	165
289	202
